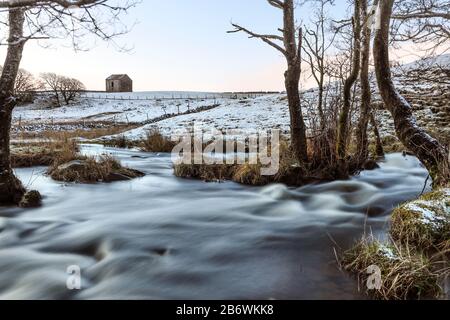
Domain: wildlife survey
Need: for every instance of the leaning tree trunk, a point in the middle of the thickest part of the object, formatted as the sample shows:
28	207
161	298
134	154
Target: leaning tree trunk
362	141
429	151
11	189
343	125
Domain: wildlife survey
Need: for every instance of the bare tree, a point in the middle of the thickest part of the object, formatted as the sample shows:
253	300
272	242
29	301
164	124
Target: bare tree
366	94
62	88
25	86
422	21
343	126
43	19
316	44
290	46
53	83
71	89
432	154
11	189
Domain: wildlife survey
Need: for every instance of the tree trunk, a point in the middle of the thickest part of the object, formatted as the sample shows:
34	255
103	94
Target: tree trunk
379	151
292	82
298	129
362	142
11	189
320	105
343	125
429	151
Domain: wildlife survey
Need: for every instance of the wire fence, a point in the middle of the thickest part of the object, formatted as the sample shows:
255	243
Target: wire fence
172	96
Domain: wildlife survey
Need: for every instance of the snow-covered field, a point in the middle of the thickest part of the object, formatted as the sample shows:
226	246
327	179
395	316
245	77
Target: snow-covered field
167	111
107	109
268	112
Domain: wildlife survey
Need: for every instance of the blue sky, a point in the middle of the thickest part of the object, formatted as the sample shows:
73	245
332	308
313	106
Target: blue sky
180	45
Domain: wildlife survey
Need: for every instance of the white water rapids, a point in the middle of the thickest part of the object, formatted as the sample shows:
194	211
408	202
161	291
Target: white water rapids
161	237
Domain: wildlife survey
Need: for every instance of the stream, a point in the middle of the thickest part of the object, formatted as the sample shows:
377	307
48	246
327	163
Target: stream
162	237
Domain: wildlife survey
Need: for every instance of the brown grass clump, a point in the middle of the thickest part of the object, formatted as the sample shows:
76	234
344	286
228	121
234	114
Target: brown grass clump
91	170
249	174
44	153
290	172
156	142
92	131
392	144
208	173
424	222
120	142
404	274
31	156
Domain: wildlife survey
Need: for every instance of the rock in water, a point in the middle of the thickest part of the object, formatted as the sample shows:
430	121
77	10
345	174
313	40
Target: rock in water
76	165
370	165
124	174
31	199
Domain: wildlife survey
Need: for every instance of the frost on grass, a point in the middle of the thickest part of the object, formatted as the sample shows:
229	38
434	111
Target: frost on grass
424	222
414	262
404	274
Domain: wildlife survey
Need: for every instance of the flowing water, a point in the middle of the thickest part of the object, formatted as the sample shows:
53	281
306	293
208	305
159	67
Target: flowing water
161	237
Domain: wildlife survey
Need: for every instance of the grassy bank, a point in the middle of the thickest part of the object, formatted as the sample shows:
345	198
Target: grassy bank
414	262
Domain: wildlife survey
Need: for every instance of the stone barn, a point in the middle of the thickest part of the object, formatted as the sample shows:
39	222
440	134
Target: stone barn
119	83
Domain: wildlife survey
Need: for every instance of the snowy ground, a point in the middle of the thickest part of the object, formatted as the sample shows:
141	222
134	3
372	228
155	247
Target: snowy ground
108	108
430	100
268	112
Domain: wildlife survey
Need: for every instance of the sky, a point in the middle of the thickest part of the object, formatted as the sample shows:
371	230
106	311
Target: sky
179	45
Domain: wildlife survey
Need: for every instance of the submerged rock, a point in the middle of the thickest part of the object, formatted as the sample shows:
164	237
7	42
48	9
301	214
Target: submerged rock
123	175
75	165
370	165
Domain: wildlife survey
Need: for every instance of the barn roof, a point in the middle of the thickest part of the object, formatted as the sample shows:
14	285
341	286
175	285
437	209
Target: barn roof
118	77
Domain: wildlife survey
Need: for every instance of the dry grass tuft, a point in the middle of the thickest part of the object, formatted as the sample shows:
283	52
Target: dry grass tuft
392	144
157	142
91	170
405	274
120	142
290	172
90	133
208	173
44	153
249	174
